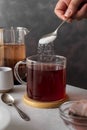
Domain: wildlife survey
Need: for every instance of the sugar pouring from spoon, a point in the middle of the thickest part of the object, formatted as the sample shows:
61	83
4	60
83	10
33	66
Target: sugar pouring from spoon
48	38
9	100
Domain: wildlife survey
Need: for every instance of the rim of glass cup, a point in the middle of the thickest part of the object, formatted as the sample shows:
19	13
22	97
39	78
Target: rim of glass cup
77	120
61	61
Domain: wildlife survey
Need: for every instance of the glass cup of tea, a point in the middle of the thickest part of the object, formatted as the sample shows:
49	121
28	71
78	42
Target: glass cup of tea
46	79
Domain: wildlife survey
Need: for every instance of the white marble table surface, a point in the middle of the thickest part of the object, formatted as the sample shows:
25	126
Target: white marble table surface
41	119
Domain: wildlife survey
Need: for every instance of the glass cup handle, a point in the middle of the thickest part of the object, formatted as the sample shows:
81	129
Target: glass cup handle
16	72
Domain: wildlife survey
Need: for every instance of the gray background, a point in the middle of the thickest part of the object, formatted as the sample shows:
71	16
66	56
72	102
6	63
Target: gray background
38	15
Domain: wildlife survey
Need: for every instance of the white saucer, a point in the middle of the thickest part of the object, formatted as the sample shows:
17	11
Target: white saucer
5	117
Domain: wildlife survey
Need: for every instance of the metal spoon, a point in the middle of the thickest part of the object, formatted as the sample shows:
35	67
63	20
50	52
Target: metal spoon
55	32
48	38
9	100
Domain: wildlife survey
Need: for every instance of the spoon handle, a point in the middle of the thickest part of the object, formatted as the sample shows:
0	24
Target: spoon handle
60	25
21	113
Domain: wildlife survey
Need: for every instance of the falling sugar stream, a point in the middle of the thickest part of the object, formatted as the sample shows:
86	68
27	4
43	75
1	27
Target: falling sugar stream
44	51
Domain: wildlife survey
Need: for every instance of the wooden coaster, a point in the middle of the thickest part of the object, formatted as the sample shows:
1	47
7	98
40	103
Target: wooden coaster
38	104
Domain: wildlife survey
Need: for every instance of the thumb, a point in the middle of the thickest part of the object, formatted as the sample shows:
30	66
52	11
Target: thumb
72	8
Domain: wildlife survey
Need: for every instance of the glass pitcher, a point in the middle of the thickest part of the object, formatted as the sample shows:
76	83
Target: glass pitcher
12	47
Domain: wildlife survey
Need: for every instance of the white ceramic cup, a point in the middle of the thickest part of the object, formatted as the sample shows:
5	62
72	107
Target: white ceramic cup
6	79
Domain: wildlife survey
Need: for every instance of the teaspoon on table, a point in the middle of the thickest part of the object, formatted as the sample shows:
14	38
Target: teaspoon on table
9	100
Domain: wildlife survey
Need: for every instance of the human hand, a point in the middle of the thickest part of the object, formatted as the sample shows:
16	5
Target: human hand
71	9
